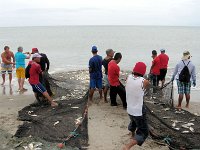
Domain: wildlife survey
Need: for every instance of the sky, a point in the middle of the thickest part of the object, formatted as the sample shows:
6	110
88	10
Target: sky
99	12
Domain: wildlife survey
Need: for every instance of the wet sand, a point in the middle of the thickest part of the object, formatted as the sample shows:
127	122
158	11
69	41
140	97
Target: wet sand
10	104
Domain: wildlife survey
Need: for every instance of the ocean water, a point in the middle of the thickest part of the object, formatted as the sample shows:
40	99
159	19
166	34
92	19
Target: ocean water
69	47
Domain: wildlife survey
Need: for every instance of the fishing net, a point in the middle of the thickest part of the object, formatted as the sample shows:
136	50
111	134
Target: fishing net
177	128
66	123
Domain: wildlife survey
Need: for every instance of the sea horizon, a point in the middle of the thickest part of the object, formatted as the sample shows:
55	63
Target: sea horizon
69	47
99	25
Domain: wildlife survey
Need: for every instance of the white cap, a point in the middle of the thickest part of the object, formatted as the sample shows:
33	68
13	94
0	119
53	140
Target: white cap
162	50
36	55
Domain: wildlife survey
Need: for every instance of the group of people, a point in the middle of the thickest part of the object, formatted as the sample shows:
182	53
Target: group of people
133	92
38	65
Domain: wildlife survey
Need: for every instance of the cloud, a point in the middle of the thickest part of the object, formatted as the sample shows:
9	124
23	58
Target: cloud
95	12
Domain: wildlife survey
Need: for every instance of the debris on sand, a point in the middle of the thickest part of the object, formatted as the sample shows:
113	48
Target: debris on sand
181	126
33	146
57	122
55	125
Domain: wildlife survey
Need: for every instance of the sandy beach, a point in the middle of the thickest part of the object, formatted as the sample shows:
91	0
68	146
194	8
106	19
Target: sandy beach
107	126
11	102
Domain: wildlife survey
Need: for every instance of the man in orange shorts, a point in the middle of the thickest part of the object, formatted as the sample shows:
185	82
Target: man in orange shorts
20	67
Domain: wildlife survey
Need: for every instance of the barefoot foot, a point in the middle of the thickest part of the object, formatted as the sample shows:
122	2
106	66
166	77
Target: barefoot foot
54	104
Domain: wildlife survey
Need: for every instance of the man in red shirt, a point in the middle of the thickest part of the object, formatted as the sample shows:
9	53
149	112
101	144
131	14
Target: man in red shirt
34	72
163	66
155	68
116	86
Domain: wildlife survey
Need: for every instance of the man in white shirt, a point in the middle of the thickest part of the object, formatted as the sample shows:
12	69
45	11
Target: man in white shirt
135	88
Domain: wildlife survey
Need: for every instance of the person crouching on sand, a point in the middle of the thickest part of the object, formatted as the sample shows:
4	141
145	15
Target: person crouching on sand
34	72
135	87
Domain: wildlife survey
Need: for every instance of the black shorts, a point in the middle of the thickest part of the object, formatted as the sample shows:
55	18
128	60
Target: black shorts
163	73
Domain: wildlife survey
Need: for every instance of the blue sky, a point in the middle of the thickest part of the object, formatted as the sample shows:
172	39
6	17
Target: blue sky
99	12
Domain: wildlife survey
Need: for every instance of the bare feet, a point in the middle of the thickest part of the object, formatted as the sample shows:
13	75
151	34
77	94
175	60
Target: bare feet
187	106
178	107
22	90
125	147
54	104
90	102
2	83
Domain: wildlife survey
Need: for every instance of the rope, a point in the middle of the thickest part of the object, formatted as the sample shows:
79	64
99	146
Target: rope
74	133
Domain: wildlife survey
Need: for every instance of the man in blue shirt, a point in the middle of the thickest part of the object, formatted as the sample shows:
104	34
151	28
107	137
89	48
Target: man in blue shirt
184	86
95	70
20	67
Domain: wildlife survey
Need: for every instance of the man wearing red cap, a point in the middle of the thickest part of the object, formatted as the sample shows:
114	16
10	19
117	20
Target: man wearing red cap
135	87
44	63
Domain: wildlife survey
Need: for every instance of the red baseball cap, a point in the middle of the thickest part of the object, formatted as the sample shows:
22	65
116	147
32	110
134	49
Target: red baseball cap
140	68
34	50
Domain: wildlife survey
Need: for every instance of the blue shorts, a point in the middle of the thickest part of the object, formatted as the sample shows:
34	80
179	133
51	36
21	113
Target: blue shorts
96	83
38	88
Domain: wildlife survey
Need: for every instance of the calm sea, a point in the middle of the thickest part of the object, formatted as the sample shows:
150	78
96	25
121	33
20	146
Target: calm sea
69	47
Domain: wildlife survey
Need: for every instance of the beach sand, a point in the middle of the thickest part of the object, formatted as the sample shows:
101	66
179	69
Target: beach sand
107	126
10	104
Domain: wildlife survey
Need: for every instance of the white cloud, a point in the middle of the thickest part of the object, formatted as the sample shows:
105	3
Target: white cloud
98	12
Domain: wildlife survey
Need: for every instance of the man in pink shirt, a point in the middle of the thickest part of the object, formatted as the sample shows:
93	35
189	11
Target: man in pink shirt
155	68
163	66
35	71
116	86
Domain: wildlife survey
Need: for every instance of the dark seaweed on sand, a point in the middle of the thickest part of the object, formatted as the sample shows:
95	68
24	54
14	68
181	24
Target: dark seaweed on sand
56	124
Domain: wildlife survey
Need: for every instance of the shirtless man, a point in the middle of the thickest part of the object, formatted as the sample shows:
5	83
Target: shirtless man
8	63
